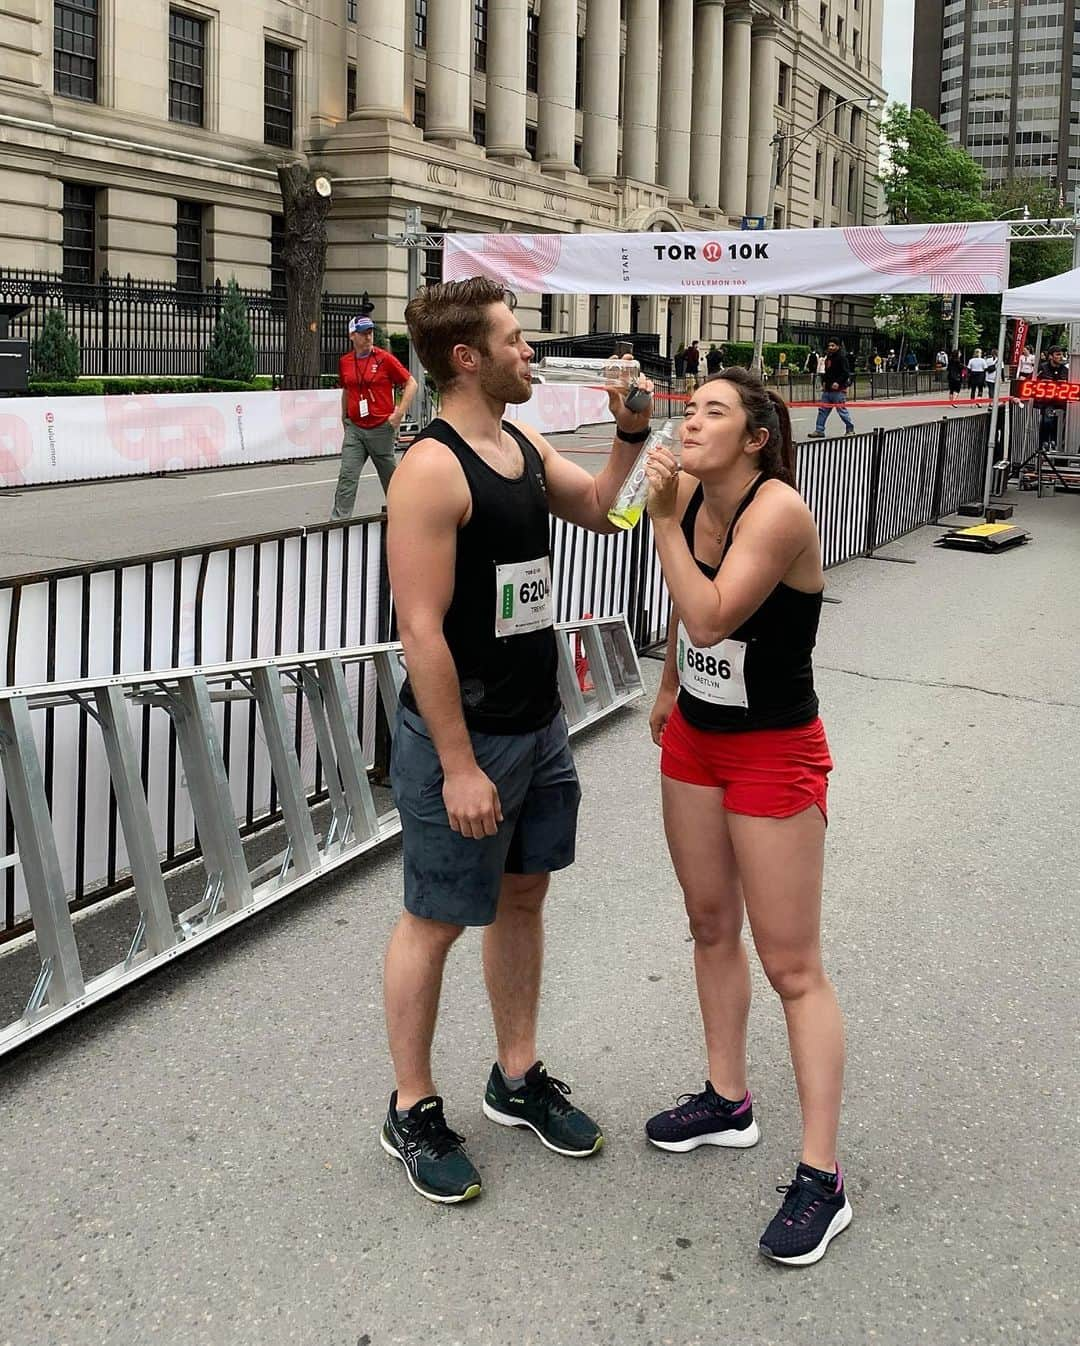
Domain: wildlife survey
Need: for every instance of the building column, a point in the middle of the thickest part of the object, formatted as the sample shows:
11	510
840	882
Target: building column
735	153
557	84
708	103
380	75
763	77
640	90
326	94
506	78
600	124
449	71
676	77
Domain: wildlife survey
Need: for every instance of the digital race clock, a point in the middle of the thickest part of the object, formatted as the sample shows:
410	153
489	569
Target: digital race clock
1050	390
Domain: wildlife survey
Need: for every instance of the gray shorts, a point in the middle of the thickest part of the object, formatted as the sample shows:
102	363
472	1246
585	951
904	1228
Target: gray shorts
456	879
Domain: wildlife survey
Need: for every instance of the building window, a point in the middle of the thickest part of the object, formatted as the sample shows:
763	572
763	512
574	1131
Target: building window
778	217
75	39
836	182
579	75
350	90
277	256
532	52
479	126
817	224
818	168
547	312
187	68
420	24
824	18
433	266
79	207
840	32
852	188
530	141
856	127
278	68
577	155
189	245
783	85
822	102
856	44
480	30
350	10
419	109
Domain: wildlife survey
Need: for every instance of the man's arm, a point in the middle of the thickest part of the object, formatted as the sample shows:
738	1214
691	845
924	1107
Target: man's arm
574	494
408	393
426	504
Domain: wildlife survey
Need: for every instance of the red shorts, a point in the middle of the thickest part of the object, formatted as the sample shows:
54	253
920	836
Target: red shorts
766	773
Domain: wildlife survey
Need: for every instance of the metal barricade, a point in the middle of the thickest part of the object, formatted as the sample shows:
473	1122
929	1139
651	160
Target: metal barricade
288	694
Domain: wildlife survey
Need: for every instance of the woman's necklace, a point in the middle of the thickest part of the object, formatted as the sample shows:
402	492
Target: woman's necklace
721	533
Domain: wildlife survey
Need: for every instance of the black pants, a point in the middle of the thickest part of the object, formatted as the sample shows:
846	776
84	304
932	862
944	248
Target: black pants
977	384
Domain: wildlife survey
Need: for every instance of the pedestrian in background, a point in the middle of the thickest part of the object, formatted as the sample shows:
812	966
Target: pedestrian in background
693	364
835	377
368	376
976	372
713	360
954	372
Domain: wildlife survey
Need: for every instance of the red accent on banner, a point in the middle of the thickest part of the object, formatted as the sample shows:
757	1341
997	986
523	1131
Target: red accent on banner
581	662
1019	340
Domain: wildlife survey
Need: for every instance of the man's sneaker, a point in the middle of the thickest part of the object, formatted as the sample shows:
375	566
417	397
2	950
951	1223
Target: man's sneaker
851	430
816	434
541	1105
704	1119
435	1162
811	1216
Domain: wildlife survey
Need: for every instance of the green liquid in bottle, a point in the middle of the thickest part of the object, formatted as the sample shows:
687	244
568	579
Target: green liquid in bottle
627	517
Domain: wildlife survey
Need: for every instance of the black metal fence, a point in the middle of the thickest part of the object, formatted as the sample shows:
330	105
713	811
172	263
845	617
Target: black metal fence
132	327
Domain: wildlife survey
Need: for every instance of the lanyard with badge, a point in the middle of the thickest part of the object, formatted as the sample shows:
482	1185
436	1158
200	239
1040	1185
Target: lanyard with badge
363	384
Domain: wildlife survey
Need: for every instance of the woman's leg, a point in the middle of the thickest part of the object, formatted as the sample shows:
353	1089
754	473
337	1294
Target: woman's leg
696	824
780	862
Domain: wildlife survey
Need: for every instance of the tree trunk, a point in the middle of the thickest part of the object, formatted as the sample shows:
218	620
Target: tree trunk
304	255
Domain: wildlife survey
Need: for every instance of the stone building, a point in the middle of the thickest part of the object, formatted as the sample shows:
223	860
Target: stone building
141	136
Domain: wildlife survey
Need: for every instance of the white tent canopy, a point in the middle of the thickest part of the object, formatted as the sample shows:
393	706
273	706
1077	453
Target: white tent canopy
1056	299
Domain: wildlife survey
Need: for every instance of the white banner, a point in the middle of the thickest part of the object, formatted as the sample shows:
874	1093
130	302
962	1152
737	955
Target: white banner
54	439
893	259
561	406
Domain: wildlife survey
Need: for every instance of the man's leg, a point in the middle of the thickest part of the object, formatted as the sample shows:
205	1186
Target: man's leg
353	458
380	447
843	413
412	982
513	958
824	407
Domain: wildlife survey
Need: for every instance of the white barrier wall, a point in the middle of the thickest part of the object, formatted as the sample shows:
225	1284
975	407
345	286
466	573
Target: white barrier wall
56	439
46	440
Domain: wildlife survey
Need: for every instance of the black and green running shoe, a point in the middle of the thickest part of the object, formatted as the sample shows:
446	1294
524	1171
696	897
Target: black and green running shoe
434	1157
541	1105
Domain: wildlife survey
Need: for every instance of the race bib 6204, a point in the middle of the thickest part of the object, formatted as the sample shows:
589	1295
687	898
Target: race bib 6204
523	597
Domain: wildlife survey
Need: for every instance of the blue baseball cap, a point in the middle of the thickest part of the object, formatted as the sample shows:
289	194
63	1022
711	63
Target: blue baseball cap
360	325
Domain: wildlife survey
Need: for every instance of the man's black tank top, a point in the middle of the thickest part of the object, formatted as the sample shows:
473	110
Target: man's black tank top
509	684
779	638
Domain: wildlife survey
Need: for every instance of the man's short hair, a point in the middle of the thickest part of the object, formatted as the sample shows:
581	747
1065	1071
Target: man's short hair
1055	350
441	317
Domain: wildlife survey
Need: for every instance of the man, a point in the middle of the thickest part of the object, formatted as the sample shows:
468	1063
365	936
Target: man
1054	369
693	364
835	377
368	376
481	768
714	360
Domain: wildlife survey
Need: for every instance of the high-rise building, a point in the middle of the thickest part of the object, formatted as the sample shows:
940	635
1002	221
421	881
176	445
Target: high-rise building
141	137
1003	79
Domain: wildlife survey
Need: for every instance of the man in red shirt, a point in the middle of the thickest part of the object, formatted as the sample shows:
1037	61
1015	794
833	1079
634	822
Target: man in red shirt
368	376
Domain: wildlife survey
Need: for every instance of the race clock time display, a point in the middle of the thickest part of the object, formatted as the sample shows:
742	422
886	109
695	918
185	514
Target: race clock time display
1049	390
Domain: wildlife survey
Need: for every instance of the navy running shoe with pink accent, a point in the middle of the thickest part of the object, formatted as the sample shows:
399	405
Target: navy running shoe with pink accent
812	1214
704	1119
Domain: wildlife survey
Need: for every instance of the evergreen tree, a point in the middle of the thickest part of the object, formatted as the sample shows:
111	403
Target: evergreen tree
56	352
231	354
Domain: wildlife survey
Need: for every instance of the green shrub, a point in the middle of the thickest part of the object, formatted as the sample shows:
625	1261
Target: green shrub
742	352
56	352
113	387
231	355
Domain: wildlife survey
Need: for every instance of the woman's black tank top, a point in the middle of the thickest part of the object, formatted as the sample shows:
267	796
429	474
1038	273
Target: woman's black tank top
779	638
509	683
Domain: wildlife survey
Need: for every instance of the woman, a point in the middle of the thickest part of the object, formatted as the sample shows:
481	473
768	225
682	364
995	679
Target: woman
976	370
744	766
955	375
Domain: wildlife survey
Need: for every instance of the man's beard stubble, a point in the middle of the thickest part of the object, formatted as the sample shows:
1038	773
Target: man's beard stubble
502	385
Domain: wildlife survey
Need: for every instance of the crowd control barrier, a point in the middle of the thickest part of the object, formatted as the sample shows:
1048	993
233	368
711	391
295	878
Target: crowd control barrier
306	591
306	710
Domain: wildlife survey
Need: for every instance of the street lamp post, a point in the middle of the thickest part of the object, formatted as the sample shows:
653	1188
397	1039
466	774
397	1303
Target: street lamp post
777	170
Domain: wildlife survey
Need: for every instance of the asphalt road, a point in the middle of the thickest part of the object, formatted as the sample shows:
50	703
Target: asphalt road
49	528
196	1162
